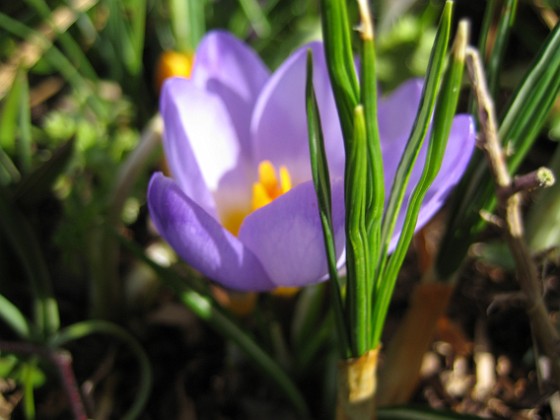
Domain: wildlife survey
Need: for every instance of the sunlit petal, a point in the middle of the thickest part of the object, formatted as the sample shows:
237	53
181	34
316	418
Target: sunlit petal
231	70
200	143
279	124
286	236
200	240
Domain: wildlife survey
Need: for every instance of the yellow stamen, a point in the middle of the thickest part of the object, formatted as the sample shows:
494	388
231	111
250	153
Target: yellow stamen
268	187
285	180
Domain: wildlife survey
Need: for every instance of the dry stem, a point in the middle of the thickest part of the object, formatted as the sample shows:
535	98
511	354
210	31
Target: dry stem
509	200
357	387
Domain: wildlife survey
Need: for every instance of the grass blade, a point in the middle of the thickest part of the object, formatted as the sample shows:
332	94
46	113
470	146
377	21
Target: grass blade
443	118
187	22
321	181
340	62
22	239
432	83
375	176
358	302
13	317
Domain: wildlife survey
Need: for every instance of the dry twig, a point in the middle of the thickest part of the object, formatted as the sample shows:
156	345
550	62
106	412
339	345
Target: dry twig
509	200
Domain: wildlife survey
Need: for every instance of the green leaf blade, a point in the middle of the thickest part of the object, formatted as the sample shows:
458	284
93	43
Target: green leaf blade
431	86
321	181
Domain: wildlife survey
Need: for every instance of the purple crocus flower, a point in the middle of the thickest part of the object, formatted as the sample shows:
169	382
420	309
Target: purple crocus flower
240	206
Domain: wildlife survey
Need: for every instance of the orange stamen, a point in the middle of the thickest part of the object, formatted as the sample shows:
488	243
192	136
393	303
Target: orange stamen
268	187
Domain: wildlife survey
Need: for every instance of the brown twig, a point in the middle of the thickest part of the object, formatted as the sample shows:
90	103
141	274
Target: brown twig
509	200
541	178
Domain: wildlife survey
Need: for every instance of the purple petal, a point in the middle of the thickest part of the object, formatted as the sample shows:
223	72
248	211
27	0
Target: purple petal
200	240
287	237
279	124
459	149
227	67
200	143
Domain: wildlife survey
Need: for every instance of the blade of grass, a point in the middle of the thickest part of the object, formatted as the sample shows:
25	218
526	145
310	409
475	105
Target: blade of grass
9	116
340	62
256	16
532	101
486	27
375	180
421	124
23	241
126	28
8	170
32	49
28	369
358	301
443	118
321	180
71	48
187	20
15	127
39	46
495	59
15	319
24	139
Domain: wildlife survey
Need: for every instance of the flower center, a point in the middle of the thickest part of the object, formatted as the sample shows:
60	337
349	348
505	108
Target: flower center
267	188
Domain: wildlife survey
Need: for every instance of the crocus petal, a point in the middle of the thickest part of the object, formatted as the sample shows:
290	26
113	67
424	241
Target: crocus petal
227	67
279	124
287	237
200	240
200	143
460	147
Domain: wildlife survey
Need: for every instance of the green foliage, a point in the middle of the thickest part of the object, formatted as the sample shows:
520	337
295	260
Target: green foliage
404	50
321	180
520	125
13	368
66	154
101	140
